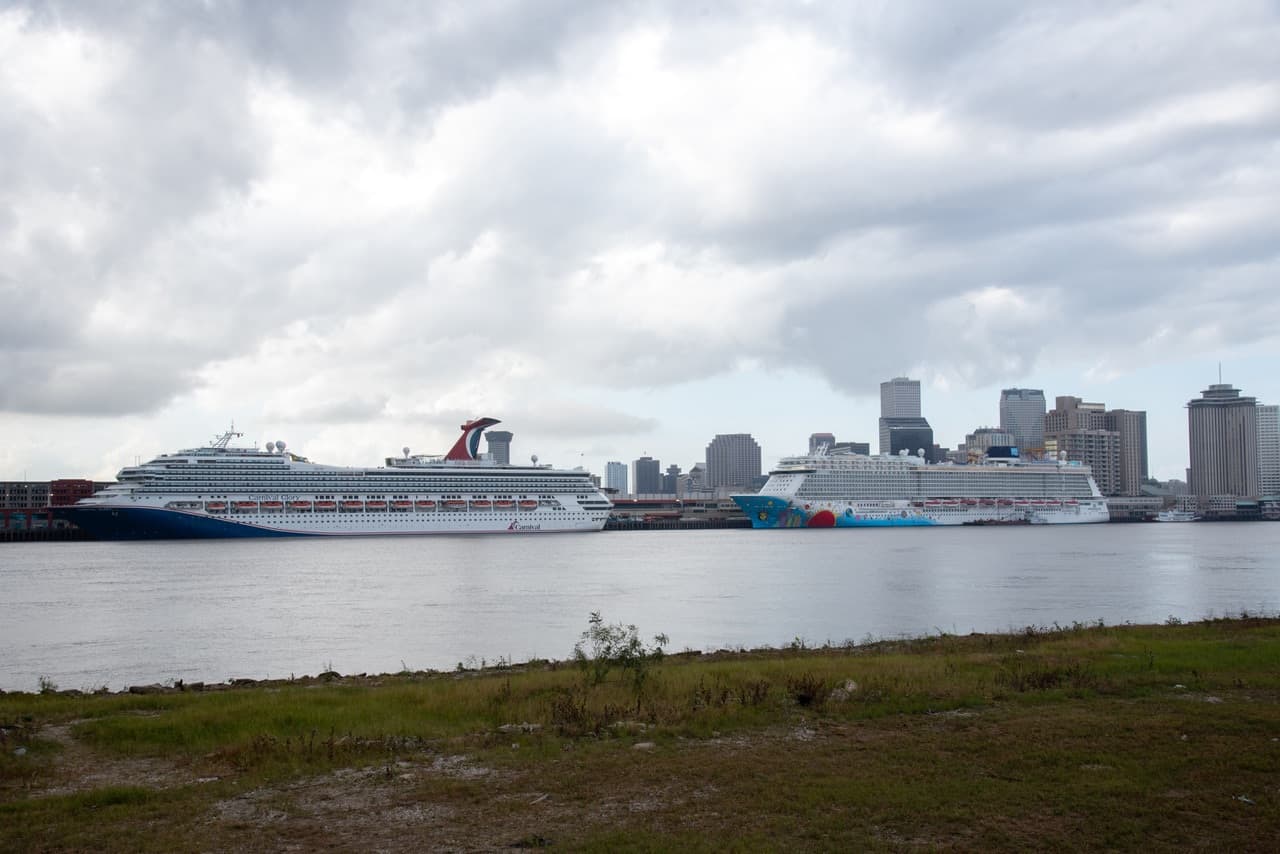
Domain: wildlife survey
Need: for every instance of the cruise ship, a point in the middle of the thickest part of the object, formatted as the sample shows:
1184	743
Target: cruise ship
846	490
226	491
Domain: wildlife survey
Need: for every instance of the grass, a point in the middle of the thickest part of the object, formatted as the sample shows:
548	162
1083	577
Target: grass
1080	736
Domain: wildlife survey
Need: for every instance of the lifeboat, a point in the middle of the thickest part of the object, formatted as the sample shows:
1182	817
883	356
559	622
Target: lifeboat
455	504
1054	503
987	502
1072	502
299	505
425	504
481	504
504	504
401	505
1021	502
932	502
1006	502
244	506
326	505
272	506
216	506
528	504
375	504
352	505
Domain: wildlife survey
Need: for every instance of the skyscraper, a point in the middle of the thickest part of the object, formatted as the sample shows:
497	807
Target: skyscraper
1022	412
1223	428
733	459
899	398
1131	426
615	476
647	476
1111	442
499	445
1269	450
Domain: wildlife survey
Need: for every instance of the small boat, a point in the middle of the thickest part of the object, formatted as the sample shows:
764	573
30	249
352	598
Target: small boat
216	506
1177	516
375	504
352	506
402	505
455	504
1006	502
424	504
299	505
272	506
481	504
326	506
244	506
504	504
1071	502
528	504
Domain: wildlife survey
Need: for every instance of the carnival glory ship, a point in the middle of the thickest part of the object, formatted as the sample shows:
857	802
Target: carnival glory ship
225	491
842	490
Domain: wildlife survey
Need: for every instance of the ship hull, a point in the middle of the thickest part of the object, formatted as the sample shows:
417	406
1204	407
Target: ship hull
771	511
106	522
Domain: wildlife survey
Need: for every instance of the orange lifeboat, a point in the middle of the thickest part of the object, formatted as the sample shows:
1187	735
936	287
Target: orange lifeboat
299	505
326	506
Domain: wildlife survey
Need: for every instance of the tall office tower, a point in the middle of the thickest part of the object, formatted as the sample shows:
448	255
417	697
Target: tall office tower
647	475
899	398
733	459
1131	425
671	480
1022	412
1223	428
499	445
817	439
1269	451
615	476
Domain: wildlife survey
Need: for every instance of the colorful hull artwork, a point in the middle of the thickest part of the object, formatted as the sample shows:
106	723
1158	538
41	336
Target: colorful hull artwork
767	511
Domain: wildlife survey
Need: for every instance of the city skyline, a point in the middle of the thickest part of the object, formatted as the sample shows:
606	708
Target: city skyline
623	228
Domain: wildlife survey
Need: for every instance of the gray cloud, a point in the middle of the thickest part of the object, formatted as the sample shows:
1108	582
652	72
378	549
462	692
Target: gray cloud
470	200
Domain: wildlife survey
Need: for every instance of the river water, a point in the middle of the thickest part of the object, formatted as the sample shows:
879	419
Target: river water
85	615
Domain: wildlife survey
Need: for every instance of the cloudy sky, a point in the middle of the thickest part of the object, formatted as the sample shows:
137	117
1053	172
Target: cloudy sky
622	227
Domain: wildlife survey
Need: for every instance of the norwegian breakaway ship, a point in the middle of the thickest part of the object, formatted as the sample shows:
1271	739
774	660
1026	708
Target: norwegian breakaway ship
225	491
852	490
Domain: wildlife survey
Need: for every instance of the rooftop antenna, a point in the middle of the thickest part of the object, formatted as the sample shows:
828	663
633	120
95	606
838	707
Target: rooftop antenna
1219	373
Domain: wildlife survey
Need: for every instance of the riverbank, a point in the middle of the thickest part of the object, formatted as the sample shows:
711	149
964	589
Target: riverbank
1080	737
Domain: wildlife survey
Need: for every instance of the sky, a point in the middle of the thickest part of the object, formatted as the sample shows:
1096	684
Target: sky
622	228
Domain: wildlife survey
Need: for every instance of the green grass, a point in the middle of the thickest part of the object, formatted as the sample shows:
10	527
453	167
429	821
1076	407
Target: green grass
1083	736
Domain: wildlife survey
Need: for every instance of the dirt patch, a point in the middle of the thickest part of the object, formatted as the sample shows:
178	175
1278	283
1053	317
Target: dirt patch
77	768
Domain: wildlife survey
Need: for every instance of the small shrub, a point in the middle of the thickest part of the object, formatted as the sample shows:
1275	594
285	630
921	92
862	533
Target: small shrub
807	689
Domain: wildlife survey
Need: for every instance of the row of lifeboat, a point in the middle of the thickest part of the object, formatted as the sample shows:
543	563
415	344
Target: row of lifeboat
993	502
374	505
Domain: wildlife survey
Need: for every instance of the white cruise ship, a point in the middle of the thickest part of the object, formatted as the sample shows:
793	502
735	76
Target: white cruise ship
852	490
226	491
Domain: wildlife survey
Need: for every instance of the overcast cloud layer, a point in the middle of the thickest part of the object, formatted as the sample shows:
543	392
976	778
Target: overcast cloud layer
349	220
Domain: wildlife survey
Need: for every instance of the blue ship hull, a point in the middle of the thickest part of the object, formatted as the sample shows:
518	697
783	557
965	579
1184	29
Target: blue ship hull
766	511
148	523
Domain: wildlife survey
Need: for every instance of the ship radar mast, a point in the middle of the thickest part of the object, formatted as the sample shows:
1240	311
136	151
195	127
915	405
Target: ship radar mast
222	441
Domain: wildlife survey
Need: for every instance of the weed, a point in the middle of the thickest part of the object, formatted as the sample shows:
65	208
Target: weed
807	689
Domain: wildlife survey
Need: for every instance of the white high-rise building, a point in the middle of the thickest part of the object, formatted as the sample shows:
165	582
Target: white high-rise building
899	398
1269	450
615	476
